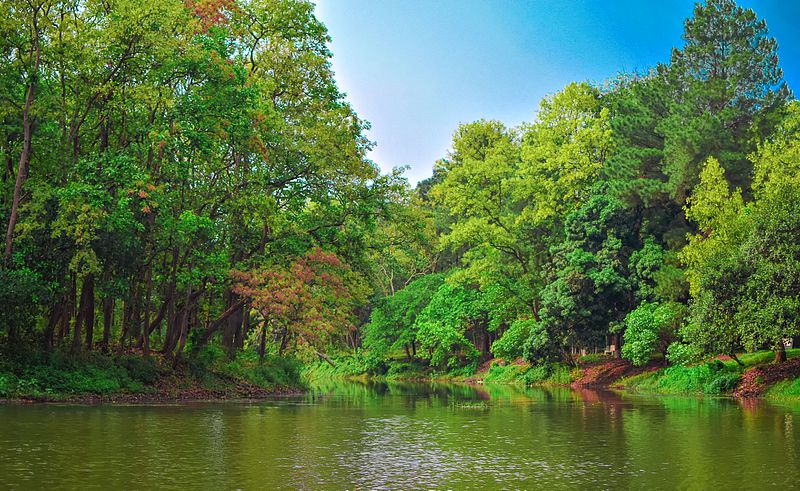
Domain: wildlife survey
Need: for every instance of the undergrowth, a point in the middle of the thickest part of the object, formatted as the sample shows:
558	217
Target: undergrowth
60	374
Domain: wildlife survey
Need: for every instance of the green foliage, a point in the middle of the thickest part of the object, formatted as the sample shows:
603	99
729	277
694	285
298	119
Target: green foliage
443	324
548	374
785	390
510	345
196	178
684	354
589	287
59	375
393	323
216	371
593	358
505	374
710	378
170	143
347	366
649	328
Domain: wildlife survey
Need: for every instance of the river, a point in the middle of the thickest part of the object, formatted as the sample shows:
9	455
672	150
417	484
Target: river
405	436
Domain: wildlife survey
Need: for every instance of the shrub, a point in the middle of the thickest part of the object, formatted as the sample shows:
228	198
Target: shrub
683	354
8	384
724	382
140	369
511	343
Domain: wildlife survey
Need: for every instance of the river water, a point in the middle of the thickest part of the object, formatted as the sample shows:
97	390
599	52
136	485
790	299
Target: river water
406	436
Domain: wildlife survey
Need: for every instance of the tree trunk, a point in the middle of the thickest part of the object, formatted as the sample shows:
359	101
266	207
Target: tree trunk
126	320
214	326
27	134
241	335
232	324
263	344
108	319
135	325
52	322
535	310
147	303
780	353
67	310
183	326
736	359
88	316
85	314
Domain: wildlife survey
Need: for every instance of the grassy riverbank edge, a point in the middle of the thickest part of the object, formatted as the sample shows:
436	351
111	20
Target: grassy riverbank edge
132	378
717	376
210	376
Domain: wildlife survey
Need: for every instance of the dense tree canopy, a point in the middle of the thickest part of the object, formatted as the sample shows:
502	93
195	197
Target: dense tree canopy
186	175
652	213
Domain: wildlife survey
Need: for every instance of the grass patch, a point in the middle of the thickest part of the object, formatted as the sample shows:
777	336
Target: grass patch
59	375
505	374
594	358
92	373
550	375
216	372
785	389
712	378
762	357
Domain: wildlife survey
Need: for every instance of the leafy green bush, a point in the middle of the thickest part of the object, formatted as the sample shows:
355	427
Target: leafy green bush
536	374
649	328
403	369
722	383
8	384
273	371
140	369
714	377
511	343
205	358
505	373
78	380
548	374
683	354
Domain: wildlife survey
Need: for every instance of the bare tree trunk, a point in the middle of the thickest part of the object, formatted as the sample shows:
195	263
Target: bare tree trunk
67	309
85	314
52	321
187	319
108	319
88	315
147	299
263	344
126	320
230	325
241	335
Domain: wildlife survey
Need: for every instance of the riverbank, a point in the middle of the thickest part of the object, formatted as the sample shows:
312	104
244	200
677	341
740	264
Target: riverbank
759	377
131	378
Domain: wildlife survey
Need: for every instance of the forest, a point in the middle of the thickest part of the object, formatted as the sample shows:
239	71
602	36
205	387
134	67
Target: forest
186	189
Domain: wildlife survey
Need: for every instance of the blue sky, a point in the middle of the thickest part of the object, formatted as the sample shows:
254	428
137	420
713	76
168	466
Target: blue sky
416	69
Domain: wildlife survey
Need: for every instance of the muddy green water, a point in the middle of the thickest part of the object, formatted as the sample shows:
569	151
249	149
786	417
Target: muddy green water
406	436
